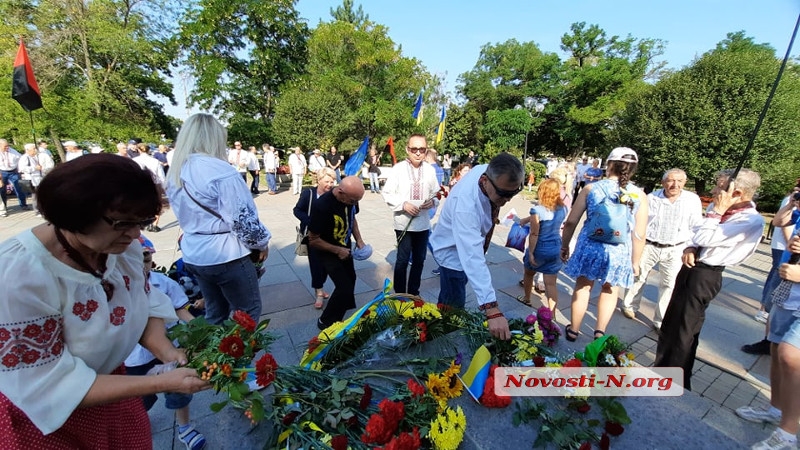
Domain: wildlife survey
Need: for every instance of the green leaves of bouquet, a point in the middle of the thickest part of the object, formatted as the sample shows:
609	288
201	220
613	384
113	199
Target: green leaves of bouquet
223	355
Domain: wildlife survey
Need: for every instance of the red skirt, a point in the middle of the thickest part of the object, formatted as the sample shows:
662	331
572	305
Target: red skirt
122	424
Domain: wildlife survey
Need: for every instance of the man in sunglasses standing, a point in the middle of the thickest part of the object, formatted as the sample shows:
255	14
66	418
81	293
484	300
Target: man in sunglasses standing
464	231
410	191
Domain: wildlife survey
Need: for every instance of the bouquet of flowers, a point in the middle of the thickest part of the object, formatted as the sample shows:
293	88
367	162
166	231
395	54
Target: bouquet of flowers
550	330
224	354
394	322
311	407
607	351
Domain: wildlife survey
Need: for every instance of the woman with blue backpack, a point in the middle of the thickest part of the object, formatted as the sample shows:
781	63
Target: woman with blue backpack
611	242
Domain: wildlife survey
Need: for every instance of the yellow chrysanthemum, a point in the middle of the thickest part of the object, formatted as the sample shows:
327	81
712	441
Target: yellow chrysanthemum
447	429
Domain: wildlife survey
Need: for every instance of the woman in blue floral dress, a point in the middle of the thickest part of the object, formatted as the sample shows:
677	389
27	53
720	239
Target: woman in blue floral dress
613	265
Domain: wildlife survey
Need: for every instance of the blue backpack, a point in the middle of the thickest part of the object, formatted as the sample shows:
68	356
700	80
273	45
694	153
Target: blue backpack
609	222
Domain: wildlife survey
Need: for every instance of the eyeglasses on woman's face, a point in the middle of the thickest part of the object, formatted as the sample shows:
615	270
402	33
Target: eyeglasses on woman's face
125	225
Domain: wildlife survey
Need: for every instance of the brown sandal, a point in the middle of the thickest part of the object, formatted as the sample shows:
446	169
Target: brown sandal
521	299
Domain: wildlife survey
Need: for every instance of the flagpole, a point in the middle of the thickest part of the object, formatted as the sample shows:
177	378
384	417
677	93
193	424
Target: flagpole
33	130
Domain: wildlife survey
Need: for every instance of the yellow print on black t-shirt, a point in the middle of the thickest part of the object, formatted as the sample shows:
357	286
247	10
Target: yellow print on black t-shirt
340	230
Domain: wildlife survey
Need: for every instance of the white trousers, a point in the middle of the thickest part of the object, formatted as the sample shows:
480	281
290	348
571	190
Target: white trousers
669	264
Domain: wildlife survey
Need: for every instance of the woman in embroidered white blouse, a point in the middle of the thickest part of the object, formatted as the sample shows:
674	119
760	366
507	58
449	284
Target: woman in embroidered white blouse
65	332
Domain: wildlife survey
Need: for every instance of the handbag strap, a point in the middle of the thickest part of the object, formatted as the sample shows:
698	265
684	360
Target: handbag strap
209	210
310	200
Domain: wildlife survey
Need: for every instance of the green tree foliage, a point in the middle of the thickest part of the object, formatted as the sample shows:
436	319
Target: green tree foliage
358	84
600	76
99	65
346	13
241	53
701	118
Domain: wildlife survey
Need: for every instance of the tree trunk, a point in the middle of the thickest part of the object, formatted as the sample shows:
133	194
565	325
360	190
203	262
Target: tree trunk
700	186
57	145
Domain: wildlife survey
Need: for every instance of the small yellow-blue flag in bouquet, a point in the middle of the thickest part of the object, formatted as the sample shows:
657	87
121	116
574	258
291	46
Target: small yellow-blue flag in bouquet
477	372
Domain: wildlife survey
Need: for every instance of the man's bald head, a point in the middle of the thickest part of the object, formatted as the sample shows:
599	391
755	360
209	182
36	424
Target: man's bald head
350	190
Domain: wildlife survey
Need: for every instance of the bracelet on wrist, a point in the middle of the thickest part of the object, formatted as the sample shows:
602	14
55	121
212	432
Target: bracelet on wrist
494	316
486	306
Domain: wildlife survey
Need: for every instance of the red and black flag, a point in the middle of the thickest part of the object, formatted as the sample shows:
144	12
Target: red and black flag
390	148
24	89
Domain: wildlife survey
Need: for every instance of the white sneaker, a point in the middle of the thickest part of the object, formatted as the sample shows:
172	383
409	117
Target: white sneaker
757	415
775	442
761	316
628	312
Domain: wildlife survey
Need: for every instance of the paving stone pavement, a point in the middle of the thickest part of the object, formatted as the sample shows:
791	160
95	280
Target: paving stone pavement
724	377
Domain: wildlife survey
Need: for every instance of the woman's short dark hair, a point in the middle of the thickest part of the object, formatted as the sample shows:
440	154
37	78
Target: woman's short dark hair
76	194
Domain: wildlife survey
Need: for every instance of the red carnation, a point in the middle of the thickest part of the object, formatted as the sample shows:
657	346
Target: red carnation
574	362
394	412
423	331
244	320
313	343
583	408
586	446
376	431
289	418
419	303
366	398
605	442
417	390
233	346
405	441
339	442
538	361
490	398
266	367
613	428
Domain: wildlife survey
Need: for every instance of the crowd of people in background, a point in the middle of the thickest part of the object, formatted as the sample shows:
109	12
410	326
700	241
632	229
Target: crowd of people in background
224	242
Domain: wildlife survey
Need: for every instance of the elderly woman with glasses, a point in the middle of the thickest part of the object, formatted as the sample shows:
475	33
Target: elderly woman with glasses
66	330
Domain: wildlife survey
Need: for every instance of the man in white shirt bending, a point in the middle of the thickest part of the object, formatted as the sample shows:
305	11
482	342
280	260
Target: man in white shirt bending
462	235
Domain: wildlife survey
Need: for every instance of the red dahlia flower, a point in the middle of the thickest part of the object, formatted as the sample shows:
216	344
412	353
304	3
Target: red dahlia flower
244	319
233	346
266	367
339	442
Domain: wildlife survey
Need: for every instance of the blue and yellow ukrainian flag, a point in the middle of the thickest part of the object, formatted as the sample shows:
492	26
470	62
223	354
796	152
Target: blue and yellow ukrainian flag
417	114
478	372
440	127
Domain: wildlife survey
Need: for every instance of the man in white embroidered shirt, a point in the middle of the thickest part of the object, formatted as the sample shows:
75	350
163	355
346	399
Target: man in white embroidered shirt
462	236
727	236
672	214
410	191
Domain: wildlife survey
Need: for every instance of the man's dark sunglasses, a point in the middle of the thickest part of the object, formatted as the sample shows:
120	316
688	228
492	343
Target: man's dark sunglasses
502	192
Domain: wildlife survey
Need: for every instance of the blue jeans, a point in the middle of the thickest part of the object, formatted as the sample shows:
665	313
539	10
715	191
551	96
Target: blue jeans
271	182
254	184
773	280
452	287
447	174
414	246
374	184
338	175
12	176
228	287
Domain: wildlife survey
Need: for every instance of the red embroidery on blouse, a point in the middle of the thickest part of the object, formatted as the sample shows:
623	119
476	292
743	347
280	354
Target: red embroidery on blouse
31	343
127	280
117	316
147	285
85	311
